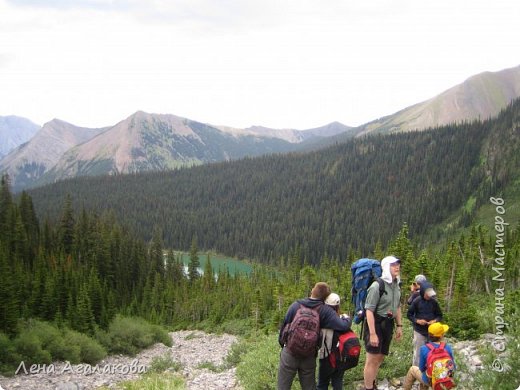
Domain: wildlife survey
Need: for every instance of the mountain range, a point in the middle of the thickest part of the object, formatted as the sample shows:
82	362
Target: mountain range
156	142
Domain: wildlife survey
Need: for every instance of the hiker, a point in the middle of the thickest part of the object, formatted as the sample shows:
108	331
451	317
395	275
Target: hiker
383	312
423	312
415	288
326	372
436	333
291	362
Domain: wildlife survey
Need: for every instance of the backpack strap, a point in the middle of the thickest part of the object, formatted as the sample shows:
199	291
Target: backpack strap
382	289
431	347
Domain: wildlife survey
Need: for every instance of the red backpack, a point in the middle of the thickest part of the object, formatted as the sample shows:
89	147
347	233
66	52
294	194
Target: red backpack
302	334
345	350
439	367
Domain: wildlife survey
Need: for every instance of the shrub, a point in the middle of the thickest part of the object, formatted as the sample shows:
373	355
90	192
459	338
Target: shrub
235	353
30	349
501	370
128	335
155	381
259	367
9	358
210	366
90	351
52	340
161	364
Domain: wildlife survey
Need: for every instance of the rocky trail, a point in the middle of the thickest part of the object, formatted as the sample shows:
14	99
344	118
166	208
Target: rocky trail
196	352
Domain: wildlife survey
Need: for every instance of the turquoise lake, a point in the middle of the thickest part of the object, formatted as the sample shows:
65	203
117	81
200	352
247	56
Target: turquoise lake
217	262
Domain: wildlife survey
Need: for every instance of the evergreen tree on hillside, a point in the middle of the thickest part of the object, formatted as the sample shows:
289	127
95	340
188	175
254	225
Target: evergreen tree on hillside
208	280
67	226
156	253
9	304
194	264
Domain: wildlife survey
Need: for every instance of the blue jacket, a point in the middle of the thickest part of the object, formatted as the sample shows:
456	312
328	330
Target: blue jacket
424	309
328	317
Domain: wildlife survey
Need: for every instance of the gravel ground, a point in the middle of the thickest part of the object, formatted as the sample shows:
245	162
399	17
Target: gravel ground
192	349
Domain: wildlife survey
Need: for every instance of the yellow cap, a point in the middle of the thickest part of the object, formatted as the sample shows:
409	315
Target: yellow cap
437	329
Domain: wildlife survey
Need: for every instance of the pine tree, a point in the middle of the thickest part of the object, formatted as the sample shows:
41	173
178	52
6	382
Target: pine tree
174	269
67	226
208	279
194	264
156	253
6	201
85	318
9	304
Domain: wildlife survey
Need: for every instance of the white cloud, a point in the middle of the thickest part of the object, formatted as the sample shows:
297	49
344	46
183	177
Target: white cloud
280	63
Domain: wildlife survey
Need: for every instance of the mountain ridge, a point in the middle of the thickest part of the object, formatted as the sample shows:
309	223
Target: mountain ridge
14	131
148	141
28	162
482	96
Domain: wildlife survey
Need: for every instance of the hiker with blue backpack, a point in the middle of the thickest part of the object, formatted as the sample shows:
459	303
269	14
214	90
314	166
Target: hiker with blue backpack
382	312
300	335
339	351
436	362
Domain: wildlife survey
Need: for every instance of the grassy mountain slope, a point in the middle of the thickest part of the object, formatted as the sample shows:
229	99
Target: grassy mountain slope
481	96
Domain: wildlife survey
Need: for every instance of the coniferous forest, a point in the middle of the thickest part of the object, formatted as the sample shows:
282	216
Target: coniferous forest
88	253
349	196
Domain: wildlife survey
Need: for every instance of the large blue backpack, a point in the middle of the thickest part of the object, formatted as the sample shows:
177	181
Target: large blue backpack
364	272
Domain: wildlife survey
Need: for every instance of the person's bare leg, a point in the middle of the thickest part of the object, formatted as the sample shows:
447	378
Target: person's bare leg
372	363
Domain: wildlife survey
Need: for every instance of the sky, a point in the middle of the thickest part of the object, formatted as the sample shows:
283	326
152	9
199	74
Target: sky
275	63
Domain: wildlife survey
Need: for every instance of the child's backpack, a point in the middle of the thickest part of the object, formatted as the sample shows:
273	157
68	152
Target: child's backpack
345	350
439	367
364	272
302	335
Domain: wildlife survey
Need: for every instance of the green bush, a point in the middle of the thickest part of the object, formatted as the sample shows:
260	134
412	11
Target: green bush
235	353
90	351
155	381
241	327
163	363
9	358
30	349
465	323
128	335
258	369
52	340
41	342
502	370
160	335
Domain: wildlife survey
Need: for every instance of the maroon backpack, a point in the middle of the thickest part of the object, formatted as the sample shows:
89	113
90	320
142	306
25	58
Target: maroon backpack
302	334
